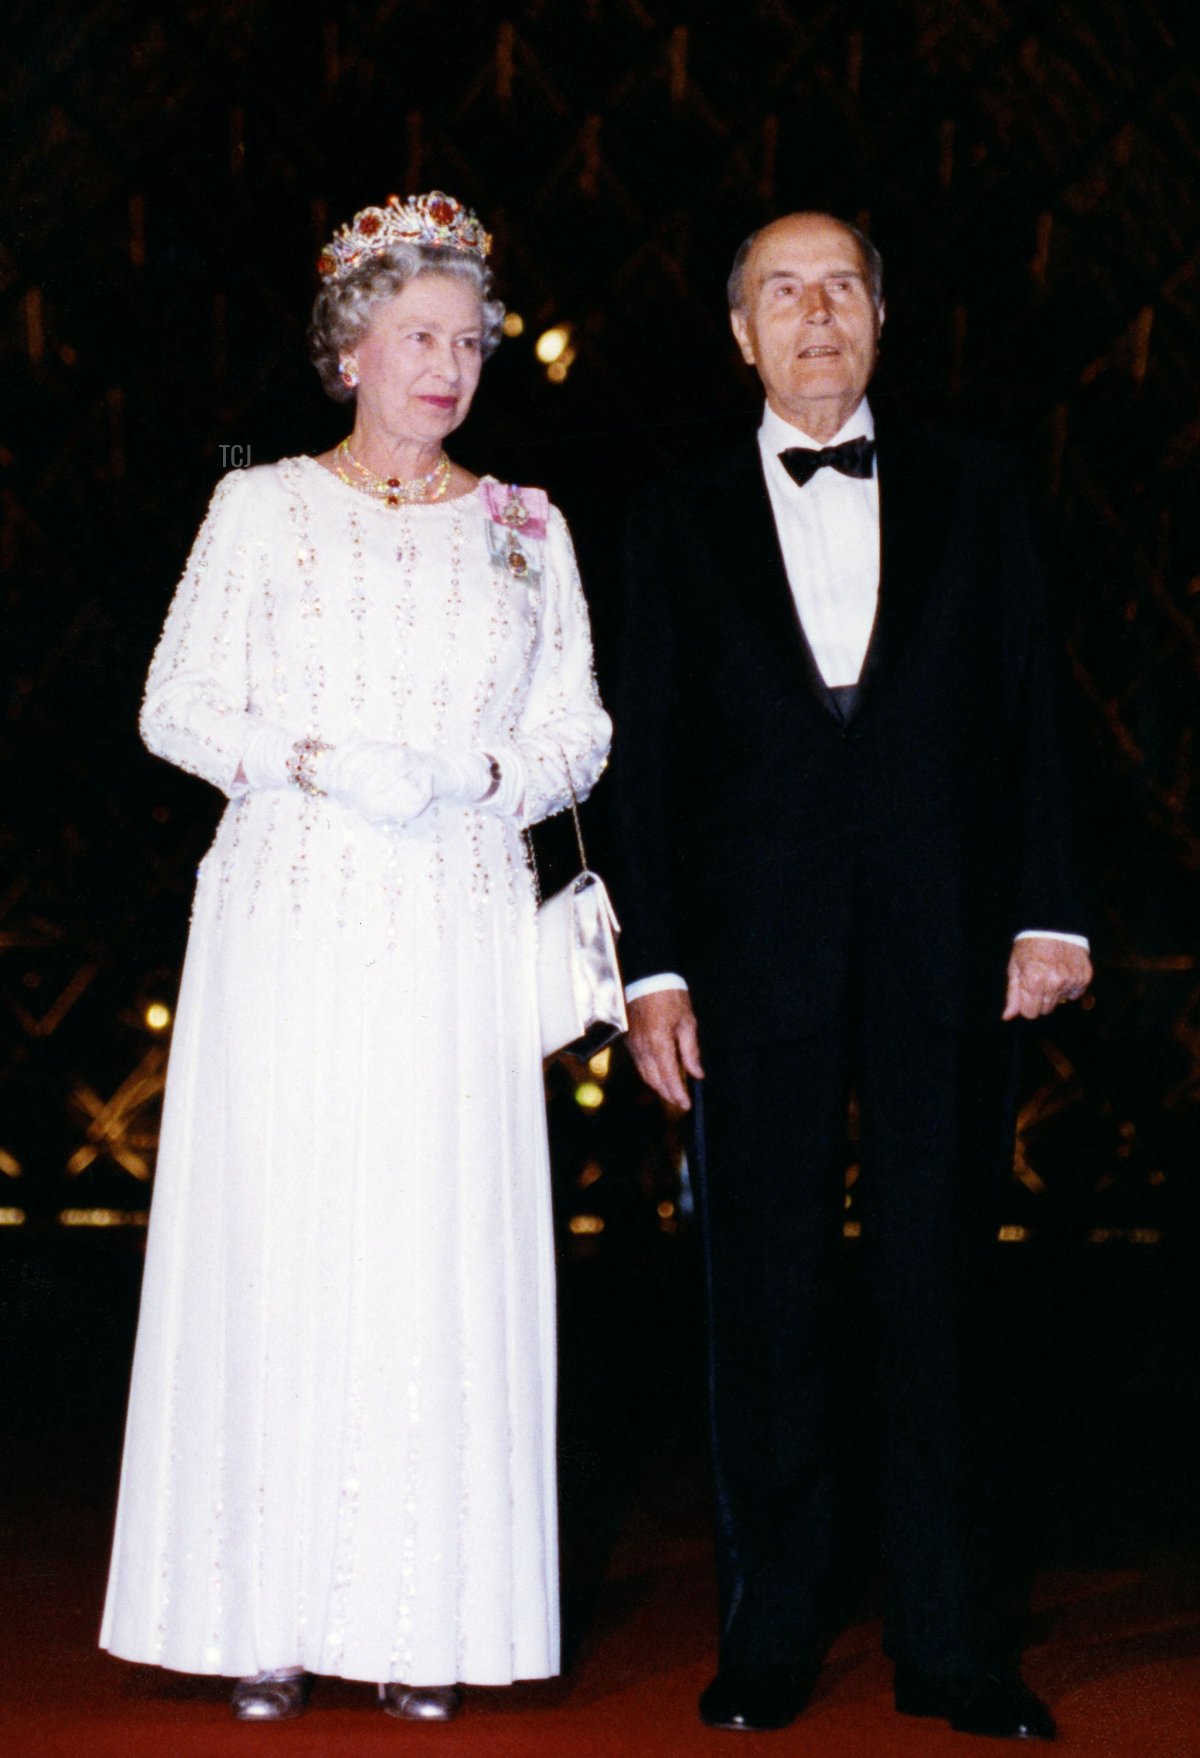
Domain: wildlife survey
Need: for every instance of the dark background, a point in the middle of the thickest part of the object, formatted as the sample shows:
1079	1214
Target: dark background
1031	173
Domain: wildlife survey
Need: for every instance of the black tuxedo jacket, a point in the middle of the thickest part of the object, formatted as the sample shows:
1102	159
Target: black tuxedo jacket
760	835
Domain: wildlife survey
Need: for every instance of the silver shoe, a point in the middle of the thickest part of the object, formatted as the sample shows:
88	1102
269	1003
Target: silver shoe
421	1702
270	1696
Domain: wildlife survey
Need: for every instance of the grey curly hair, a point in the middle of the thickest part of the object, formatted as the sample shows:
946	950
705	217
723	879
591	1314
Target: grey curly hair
344	308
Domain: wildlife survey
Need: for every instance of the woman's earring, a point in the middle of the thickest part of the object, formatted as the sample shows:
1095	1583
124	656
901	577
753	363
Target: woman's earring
349	376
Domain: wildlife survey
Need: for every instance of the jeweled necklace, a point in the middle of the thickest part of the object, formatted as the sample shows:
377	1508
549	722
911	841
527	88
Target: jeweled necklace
394	491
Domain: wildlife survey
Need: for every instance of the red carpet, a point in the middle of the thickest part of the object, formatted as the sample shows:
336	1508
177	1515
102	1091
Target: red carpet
1104	1425
1118	1656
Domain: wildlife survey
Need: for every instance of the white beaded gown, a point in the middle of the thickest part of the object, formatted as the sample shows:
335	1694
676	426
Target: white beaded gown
340	1450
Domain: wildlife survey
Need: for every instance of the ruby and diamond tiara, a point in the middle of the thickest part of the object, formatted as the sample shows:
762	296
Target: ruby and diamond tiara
434	219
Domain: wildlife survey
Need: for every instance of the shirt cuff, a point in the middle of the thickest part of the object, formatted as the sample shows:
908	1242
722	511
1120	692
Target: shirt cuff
652	985
1053	934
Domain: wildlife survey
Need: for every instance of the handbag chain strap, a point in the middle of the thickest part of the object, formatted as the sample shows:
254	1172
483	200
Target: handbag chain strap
575	818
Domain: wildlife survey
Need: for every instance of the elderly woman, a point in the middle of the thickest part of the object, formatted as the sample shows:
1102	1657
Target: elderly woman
340	1447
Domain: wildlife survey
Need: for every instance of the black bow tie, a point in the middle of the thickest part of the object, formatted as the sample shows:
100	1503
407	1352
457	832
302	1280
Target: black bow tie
852	458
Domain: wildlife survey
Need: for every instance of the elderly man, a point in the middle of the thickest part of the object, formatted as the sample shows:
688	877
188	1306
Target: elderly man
849	861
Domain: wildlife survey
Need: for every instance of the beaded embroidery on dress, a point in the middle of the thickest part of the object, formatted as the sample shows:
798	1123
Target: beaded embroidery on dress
340	1445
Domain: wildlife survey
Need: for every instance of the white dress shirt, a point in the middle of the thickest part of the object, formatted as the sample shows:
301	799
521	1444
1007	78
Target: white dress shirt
829	535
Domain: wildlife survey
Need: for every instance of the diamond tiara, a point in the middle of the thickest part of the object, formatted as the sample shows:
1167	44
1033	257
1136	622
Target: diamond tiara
434	219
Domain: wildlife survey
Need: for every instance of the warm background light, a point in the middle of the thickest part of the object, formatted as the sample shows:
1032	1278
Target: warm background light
158	1016
103	1217
552	344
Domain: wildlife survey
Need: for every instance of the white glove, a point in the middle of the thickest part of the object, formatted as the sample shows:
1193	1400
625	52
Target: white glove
476	778
265	756
461	778
383	783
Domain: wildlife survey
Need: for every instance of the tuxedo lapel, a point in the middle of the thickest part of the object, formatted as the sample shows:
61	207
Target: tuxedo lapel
915	501
749	562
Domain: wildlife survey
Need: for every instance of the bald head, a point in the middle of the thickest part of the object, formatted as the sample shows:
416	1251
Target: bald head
872	262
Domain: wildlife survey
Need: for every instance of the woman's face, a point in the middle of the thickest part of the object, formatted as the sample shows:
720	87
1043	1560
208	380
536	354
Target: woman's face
419	362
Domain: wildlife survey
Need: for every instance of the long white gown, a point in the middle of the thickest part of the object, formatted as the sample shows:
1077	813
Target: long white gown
340	1442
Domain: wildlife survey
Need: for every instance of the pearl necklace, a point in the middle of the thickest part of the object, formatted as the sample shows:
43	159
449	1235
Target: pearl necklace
395	491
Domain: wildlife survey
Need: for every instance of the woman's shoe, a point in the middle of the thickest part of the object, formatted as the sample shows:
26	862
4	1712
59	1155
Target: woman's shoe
270	1696
421	1702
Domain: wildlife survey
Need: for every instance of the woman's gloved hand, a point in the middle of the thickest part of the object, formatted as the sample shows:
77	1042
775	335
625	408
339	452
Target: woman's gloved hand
478	778
461	778
383	783
265	757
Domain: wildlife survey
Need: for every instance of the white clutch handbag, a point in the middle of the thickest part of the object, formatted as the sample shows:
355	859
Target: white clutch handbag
581	1000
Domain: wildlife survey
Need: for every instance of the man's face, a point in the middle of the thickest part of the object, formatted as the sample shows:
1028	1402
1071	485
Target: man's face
809	325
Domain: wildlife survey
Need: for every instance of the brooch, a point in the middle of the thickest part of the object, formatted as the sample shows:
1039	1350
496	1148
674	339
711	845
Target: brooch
515	513
516	523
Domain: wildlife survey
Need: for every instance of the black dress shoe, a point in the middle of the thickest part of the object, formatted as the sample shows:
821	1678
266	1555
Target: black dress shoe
756	1699
998	1705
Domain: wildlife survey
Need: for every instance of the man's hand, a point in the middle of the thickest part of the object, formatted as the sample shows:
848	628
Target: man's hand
1042	973
664	1044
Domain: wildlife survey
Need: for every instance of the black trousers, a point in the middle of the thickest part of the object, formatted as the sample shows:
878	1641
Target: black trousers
936	1109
